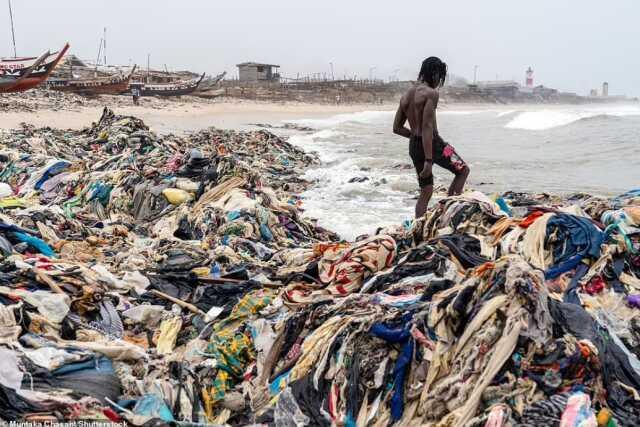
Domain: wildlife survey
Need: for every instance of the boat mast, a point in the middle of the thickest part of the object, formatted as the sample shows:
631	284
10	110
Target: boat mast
13	33
95	71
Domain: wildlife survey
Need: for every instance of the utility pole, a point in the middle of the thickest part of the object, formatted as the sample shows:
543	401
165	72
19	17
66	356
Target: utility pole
13	33
148	67
104	51
332	76
475	74
371	72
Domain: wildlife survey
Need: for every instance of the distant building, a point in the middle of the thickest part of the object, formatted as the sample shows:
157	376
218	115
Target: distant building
529	77
605	89
254	72
594	92
455	81
500	88
545	92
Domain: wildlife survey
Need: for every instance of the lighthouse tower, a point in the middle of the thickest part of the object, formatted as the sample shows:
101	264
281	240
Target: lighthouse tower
529	78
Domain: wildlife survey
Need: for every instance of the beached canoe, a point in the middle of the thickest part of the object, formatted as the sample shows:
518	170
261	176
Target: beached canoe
20	74
99	86
169	89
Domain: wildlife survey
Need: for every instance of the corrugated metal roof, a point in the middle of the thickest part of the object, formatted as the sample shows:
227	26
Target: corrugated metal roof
256	64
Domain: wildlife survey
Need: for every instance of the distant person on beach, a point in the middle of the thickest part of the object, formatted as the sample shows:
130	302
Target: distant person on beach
136	95
426	147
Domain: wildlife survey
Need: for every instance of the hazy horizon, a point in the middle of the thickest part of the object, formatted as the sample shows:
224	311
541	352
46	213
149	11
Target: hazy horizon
573	46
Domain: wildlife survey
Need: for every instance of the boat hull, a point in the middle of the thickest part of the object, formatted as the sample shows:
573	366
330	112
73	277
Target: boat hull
92	88
25	74
172	89
106	86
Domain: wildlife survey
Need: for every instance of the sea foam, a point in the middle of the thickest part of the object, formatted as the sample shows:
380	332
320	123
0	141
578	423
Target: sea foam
551	118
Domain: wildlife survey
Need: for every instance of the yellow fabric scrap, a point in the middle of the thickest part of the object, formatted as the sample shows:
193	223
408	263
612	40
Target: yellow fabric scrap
168	334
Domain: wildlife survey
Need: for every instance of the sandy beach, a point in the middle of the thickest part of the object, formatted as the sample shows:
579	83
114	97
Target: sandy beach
181	116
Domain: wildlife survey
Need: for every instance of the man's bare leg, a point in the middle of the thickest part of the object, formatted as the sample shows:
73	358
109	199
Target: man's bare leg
423	200
457	185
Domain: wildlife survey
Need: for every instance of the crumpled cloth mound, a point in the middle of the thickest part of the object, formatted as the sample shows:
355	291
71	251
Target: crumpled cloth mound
175	279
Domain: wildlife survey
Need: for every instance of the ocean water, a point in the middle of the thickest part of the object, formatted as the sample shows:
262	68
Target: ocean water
367	180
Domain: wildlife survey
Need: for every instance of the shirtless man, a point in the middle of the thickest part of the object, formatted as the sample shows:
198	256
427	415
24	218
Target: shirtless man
426	147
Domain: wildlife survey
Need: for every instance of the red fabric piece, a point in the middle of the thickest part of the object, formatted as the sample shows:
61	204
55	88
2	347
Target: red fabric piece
595	286
248	374
111	414
530	219
341	289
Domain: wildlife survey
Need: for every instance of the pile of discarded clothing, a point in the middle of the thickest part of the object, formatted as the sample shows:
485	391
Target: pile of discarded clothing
39	99
175	279
43	99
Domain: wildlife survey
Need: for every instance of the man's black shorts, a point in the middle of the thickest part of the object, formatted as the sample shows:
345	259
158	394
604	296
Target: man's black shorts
444	155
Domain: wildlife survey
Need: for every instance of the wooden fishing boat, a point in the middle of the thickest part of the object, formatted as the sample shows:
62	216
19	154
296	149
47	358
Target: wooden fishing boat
98	86
169	89
209	87
211	82
7	83
20	74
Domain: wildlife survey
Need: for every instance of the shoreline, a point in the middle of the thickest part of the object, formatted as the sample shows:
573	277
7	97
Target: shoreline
190	113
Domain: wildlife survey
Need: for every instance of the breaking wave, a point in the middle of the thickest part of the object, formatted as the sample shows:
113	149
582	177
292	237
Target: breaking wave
364	117
548	119
373	117
354	195
322	142
442	111
326	134
356	189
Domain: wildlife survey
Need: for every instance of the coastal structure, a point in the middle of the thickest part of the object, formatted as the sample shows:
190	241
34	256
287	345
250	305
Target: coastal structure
529	78
500	88
605	89
544	92
256	72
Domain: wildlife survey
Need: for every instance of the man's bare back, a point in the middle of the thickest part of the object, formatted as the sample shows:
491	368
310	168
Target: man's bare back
413	103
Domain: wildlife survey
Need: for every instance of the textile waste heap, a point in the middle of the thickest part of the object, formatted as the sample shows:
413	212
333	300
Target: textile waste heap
174	280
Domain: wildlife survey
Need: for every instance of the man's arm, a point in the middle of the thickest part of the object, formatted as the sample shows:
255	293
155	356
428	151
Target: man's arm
398	123
435	115
428	120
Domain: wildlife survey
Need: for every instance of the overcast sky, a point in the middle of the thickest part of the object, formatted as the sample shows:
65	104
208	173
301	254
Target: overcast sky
572	45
